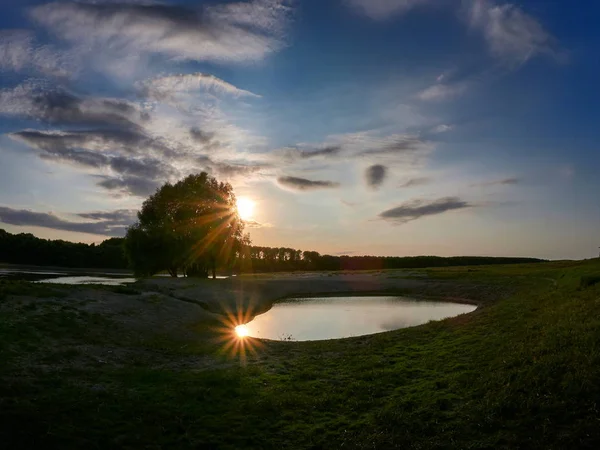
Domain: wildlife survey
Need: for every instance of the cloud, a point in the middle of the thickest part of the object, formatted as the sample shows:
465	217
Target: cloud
77	157
204	138
294	153
438	92
119	216
383	9
333	150
420	208
133	175
243	32
512	35
105	223
375	175
267	15
420	181
397	144
20	53
58	106
129	185
168	87
503	182
148	168
345	253
227	170
302	184
255	224
121	141
67	147
443	128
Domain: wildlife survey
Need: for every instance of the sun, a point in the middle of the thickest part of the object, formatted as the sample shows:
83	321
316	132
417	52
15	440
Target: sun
245	208
241	331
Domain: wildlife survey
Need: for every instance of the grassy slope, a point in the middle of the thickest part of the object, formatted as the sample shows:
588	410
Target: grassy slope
523	372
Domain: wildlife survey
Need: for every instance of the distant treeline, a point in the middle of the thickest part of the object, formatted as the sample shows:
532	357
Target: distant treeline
25	248
269	259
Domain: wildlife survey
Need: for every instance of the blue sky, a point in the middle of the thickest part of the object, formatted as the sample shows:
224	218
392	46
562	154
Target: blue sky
386	127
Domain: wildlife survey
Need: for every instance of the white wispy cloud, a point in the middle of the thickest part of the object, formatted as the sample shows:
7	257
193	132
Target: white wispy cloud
512	35
268	15
442	128
242	32
169	86
19	52
382	9
440	91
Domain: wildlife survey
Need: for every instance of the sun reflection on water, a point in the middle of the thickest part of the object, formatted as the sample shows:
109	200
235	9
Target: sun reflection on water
234	336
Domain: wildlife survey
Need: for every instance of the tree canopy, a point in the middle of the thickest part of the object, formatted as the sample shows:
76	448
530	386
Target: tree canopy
190	226
25	248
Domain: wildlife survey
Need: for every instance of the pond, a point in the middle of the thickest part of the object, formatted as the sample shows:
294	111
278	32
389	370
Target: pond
307	319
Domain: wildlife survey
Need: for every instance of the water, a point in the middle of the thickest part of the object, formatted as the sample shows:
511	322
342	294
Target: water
65	277
338	317
79	279
70	276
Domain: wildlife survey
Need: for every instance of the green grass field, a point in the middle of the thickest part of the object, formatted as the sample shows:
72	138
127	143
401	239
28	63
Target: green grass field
523	371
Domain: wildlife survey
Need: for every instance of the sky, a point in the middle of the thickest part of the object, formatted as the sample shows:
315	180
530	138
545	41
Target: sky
381	127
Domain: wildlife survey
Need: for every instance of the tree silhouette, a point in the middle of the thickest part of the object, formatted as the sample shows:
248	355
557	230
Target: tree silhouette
192	226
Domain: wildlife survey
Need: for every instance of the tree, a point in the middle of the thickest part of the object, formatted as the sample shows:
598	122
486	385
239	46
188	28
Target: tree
192	225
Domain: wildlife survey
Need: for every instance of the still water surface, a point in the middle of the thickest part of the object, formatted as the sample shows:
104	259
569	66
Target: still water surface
60	276
338	317
64	277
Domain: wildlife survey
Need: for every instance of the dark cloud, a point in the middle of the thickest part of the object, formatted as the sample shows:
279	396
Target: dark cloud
401	144
200	136
233	32
419	208
65	147
375	175
327	151
226	170
302	184
294	153
77	157
205	138
148	168
119	216
60	107
419	181
125	141
503	182
105	223
129	185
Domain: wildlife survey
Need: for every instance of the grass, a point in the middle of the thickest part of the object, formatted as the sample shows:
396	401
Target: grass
523	371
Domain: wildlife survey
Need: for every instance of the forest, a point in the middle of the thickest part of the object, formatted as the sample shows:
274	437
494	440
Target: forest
25	248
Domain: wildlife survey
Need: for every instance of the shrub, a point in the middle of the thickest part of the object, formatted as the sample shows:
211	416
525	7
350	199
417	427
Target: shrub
589	280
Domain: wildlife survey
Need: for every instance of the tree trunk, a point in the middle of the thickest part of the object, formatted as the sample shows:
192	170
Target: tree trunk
173	272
